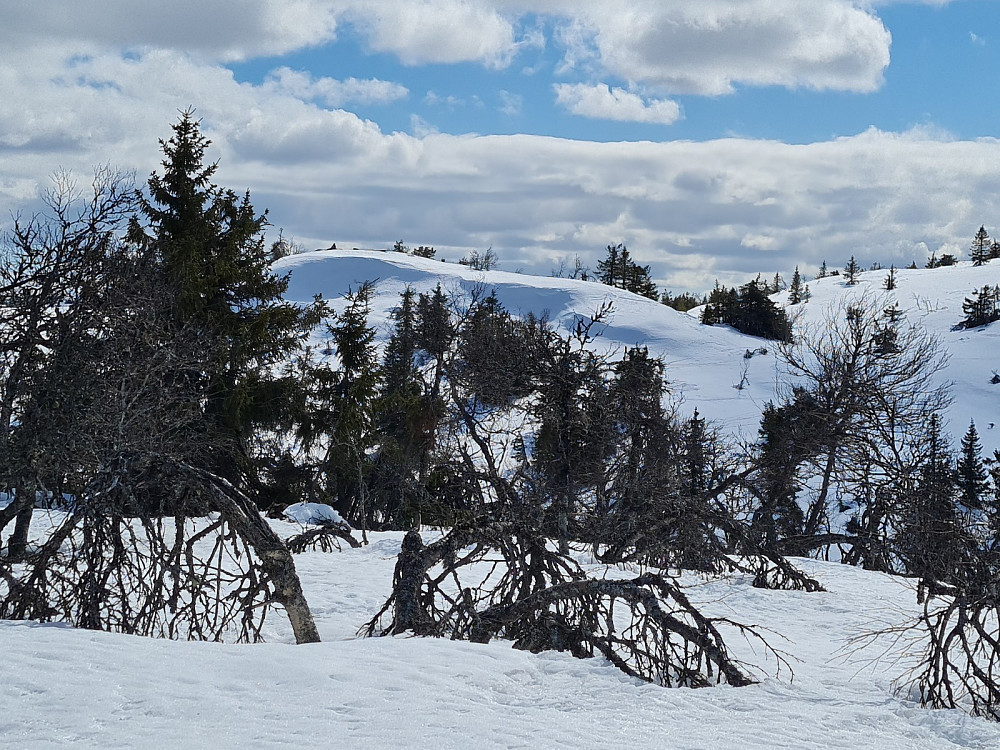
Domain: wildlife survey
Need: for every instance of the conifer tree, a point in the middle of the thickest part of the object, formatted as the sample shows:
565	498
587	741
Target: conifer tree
795	291
618	269
210	248
980	248
932	541
982	308
851	271
890	281
971	471
823	273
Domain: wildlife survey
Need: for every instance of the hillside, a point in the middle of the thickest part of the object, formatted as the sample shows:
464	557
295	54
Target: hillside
703	363
62	686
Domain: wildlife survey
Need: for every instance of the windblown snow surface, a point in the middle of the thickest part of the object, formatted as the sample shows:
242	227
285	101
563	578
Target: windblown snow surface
61	687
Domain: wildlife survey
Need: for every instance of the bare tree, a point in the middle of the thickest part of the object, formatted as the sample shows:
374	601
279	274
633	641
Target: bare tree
150	543
869	380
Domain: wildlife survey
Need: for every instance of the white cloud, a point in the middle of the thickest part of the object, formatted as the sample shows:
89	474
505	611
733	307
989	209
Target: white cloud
709	46
511	104
214	29
336	93
602	102
436	31
726	208
676	46
98	82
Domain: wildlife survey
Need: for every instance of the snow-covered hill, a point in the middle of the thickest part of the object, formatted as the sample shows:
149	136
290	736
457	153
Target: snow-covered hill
61	687
704	364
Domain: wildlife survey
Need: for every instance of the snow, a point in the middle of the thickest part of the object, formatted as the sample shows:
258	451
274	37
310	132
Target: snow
703	363
61	687
315	513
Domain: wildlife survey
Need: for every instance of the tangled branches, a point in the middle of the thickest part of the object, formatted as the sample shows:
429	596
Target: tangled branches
325	536
530	594
172	575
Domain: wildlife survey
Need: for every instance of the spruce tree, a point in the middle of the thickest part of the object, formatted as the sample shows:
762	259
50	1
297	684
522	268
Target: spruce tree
210	250
982	308
890	281
795	290
851	272
970	471
980	248
609	269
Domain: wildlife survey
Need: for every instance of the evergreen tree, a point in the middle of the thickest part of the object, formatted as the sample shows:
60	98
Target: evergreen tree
609	269
982	308
971	471
890	281
980	249
210	248
795	291
851	271
933	542
618	269
823	273
748	310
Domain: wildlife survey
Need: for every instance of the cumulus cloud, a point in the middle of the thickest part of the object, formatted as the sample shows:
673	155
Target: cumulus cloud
677	46
694	211
214	29
335	93
98	82
436	31
709	46
602	102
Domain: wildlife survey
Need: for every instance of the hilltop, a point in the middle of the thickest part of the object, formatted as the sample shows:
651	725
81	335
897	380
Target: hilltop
703	363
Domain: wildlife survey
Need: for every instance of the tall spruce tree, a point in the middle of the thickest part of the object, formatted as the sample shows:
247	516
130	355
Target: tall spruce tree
209	246
979	251
970	473
795	291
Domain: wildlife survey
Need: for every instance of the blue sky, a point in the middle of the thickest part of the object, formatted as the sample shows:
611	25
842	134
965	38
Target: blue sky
944	73
717	138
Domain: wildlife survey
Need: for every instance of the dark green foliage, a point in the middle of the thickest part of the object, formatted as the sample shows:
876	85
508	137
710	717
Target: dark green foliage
970	472
208	244
982	308
619	270
787	438
681	302
748	310
496	354
851	272
933	542
796	291
890	281
981	248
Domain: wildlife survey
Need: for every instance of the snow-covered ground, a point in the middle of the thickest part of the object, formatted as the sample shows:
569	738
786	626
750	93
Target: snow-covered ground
703	363
61	687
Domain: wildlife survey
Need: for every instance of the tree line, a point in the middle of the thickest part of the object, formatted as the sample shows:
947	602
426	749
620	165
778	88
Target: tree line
155	385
